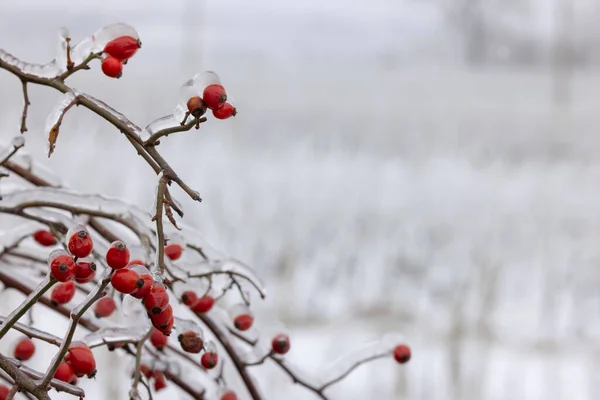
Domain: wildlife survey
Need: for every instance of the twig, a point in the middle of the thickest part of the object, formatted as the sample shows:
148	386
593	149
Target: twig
55	129
133	393
11	394
26	104
154	138
35	333
349	370
55	383
21	379
159	266
83	65
12	153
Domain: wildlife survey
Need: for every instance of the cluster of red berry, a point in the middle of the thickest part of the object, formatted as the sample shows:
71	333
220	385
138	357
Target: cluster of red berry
117	52
214	97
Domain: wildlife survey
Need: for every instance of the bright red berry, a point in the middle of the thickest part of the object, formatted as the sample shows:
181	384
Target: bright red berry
243	322
188	297
161	320
225	112
135	262
4	392
158	339
402	353
64	372
280	344
229	395
126	281
45	238
123	47
24	349
62	293
62	268
191	342
214	96
209	360
82	360
159	381
173	251
85	271
196	106
203	304
146	287
166	329
112	67
80	244
145	370
157	300
117	255
104	307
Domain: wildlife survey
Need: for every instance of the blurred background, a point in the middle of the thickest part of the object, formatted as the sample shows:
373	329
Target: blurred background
429	167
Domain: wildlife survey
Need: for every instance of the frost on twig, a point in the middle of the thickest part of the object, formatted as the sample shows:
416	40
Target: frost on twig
35	333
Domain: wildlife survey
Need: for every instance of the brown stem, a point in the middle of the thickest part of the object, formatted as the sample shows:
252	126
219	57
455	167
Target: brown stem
158	217
26	104
167	131
21	379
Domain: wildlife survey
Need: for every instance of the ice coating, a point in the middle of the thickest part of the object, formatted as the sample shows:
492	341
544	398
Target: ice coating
11	238
55	117
55	253
115	334
159	124
185	325
112	31
18	141
133	127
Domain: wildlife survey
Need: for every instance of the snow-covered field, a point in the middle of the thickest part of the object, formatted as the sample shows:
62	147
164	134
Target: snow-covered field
373	192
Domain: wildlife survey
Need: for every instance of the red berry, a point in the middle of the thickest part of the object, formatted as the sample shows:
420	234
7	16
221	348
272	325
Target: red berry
135	262
158	339
104	307
80	244
280	344
126	281
62	293
203	304
191	342
117	255
166	329
225	112
243	322
146	287
24	349
209	360
161	320
112	67
123	47
173	251
196	106
157	300
159	381
62	268
74	380
4	392
229	395
214	96
145	370
82	360
45	238
85	271
64	372
188	297
402	353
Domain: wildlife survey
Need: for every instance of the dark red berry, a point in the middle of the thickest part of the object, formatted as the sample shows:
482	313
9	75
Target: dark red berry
243	322
188	297
80	244
157	300
280	344
173	251
62	268
104	307
229	395
214	96
203	304
123	47
82	360
209	360
158	339
24	349
225	112
196	106
126	281
191	342
85	271
402	353
112	67
146	287
62	293
117	255
4	392
64	372
159	381
145	370
45	238
162	319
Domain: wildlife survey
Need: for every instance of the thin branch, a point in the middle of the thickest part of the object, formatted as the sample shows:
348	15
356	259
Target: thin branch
9	155
55	383
35	333
159	266
133	393
22	379
26	104
152	140
82	66
350	369
55	129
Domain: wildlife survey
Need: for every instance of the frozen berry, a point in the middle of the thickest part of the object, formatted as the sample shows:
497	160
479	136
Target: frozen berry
145	370
104	307
62	267
157	300
159	381
196	106
203	304
145	289
85	271
209	360
225	112
117	255
243	322
123	47
280	344
80	243
188	297
45	238
173	251
82	360
112	67
158	339
229	395
402	353
191	342
126	281
136	262
162	319
214	96
64	372
24	349
62	293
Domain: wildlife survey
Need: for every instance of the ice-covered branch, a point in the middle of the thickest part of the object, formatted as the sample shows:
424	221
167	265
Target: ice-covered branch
133	392
55	383
21	379
35	333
